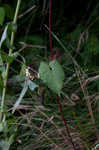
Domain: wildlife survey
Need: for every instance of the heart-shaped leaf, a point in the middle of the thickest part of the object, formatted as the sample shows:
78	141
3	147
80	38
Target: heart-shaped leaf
52	75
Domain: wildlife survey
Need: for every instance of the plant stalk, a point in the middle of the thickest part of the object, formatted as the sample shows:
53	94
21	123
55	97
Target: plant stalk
50	29
8	64
65	124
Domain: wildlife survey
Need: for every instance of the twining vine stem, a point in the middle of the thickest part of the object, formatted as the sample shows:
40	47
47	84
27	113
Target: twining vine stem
50	29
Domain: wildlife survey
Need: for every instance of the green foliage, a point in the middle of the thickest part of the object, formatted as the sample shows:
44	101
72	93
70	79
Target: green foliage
2	15
43	124
2	69
3	125
4	145
10	27
93	44
33	39
23	70
27	84
4	36
6	11
52	75
32	51
9	59
57	69
77	32
9	12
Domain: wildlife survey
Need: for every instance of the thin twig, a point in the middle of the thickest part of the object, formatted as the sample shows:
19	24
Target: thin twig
27	11
50	29
90	80
25	45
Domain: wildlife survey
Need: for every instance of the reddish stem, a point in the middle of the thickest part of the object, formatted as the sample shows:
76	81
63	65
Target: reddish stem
50	29
63	118
51	58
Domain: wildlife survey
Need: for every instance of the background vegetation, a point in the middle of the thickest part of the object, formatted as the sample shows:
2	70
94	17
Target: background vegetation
49	102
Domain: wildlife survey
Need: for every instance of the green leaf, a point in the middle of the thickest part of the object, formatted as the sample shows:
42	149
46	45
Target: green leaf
58	76
1	82
10	27
1	61
11	139
9	59
2	70
31	85
23	70
3	125
24	90
4	35
2	15
45	72
8	44
13	56
27	84
52	75
57	69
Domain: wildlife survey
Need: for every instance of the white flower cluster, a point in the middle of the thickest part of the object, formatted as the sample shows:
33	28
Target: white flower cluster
28	74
